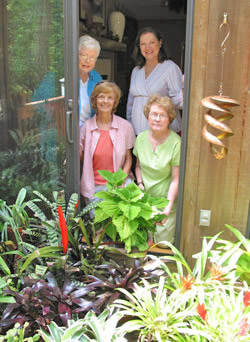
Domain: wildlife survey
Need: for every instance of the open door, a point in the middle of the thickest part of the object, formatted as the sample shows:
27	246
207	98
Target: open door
38	109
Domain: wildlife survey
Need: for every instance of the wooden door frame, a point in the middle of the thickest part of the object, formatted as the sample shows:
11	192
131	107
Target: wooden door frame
185	115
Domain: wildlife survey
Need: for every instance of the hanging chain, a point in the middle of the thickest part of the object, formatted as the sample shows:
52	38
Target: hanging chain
223	50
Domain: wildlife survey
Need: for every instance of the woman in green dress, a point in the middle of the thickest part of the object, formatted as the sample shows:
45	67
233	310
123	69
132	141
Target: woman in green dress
158	159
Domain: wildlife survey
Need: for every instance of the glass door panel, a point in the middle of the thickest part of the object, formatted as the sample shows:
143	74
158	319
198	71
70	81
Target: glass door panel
32	110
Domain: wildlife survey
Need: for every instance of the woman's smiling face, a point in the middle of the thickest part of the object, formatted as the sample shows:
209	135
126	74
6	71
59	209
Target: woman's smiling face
105	102
87	60
150	46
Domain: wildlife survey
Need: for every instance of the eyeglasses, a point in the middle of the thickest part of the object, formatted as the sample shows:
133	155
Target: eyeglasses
86	57
157	115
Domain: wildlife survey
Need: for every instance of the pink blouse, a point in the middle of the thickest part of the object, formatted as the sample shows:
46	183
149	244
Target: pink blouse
123	138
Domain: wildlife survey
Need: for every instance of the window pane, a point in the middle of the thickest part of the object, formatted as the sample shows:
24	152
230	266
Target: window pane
32	116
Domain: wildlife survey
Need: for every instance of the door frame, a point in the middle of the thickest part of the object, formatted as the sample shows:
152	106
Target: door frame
71	36
185	117
71	39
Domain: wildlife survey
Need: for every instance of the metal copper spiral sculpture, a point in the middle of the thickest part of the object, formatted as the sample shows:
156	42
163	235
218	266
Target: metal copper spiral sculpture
220	104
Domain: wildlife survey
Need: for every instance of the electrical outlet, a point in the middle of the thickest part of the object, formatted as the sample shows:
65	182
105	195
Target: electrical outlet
205	216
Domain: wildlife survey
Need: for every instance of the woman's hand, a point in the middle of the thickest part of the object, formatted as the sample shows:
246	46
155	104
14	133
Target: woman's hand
166	212
141	185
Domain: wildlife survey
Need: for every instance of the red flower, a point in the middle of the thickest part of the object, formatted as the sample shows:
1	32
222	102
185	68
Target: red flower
186	282
76	205
244	327
64	229
216	272
202	311
246	299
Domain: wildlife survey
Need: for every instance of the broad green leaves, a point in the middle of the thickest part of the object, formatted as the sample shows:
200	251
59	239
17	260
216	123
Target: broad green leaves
132	212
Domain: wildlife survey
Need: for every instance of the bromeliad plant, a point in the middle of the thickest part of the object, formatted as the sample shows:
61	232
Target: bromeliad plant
240	251
158	316
225	315
206	303
130	213
90	329
42	301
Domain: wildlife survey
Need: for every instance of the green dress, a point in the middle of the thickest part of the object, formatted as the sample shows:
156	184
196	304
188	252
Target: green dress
156	169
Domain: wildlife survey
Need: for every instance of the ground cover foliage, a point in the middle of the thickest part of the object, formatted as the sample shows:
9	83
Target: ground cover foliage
63	280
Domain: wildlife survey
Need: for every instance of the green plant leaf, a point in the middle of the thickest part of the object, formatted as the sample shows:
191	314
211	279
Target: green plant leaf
130	211
21	196
124	227
146	211
110	206
71	206
4	267
100	215
115	179
7	300
55	331
111	231
240	236
72	331
44	252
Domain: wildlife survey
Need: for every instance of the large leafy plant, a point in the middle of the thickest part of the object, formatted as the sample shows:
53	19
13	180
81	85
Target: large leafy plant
131	213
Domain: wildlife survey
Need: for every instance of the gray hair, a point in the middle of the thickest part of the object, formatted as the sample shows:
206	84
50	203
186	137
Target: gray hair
88	42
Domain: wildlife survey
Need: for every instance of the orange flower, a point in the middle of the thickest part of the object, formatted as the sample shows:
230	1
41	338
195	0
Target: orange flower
64	229
244	327
246	299
186	282
216	272
202	311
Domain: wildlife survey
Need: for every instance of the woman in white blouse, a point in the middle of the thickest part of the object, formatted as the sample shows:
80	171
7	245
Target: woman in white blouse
89	50
153	73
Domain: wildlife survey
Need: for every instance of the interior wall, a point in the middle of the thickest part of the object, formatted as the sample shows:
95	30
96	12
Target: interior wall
222	186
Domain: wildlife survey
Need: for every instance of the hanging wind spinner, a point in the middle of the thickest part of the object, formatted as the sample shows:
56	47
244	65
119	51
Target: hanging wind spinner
221	104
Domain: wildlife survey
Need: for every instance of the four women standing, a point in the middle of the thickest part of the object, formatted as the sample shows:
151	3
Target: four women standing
106	139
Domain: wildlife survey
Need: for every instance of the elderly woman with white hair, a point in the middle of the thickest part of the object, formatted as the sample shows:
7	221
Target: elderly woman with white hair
89	50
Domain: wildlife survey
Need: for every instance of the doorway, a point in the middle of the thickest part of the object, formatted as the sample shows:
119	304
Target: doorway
174	19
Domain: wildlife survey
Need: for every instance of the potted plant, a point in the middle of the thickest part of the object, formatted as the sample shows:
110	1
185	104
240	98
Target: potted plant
130	213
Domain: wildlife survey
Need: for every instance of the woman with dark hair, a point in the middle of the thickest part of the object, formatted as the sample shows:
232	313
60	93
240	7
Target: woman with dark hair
105	140
153	73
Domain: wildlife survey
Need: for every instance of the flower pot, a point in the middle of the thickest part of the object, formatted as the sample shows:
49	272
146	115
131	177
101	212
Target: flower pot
117	24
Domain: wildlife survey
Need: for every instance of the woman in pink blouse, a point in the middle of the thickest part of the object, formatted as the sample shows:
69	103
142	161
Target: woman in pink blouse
105	140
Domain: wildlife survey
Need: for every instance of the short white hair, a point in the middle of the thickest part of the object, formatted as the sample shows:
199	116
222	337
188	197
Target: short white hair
88	42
